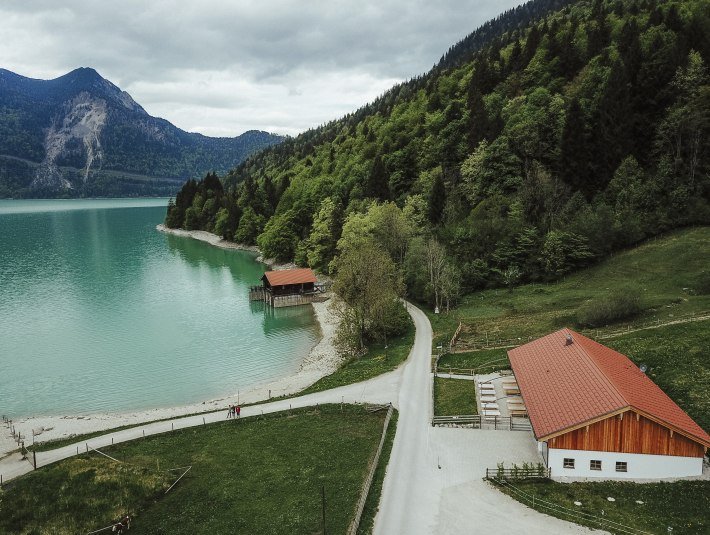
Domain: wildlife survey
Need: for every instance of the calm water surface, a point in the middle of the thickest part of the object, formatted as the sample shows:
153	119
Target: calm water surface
100	312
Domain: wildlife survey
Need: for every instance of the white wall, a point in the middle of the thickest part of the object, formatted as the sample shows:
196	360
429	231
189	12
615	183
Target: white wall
640	466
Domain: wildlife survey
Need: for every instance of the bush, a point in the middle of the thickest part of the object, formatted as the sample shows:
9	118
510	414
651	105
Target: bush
599	312
701	284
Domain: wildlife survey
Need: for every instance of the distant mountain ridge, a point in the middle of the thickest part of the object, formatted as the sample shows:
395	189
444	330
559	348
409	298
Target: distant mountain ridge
81	135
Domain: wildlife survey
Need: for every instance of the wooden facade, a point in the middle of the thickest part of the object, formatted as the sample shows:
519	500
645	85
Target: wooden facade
628	432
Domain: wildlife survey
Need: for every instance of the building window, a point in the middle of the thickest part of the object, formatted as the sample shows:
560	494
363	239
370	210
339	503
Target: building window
621	467
568	463
595	465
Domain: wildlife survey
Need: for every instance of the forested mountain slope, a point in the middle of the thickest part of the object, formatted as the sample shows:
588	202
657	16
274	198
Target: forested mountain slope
80	135
553	135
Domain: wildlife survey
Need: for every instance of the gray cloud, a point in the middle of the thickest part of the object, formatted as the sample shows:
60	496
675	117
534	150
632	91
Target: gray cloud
222	67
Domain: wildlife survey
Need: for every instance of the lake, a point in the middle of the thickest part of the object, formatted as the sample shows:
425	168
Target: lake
101	312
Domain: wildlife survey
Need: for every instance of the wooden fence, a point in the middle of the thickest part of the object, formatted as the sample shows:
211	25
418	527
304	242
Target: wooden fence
519	472
597	334
355	524
477	421
575	515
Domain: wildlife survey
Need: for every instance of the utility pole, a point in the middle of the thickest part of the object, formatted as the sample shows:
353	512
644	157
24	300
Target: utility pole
323	501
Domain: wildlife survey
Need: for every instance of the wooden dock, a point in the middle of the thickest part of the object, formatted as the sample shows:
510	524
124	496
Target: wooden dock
259	293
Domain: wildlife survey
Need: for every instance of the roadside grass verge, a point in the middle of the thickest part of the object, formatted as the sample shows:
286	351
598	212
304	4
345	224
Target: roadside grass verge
453	397
682	505
376	361
257	475
666	273
498	359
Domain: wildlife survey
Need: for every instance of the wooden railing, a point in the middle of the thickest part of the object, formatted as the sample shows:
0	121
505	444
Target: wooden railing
477	421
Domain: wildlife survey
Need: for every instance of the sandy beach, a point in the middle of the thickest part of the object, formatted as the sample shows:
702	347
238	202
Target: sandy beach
322	360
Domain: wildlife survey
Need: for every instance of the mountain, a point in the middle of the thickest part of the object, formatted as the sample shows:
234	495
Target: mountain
80	135
550	137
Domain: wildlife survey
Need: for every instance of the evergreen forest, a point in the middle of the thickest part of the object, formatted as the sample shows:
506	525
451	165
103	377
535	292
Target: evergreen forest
550	137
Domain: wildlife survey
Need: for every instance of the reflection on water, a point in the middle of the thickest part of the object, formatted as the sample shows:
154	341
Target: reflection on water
96	297
285	319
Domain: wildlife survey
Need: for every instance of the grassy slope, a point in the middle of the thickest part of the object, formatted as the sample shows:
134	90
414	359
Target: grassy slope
454	396
659	270
255	476
683	505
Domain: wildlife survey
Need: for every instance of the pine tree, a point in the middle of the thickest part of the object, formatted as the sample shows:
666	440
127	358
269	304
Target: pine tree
377	183
437	200
574	149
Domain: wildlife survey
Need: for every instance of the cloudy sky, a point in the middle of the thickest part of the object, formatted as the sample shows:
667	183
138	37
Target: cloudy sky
222	67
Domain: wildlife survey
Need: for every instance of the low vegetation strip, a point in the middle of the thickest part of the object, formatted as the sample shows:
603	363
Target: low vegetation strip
633	508
379	359
256	475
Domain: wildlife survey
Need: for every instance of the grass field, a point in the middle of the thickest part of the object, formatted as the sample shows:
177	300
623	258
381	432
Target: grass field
666	273
256	476
486	361
453	397
683	505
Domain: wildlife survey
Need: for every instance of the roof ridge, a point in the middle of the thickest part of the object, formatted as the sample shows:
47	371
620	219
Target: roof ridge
591	358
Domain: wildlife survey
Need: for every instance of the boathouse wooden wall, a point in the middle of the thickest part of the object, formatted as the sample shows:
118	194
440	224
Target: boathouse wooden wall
628	432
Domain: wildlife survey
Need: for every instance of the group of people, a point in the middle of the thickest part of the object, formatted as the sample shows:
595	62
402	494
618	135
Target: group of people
121	525
235	411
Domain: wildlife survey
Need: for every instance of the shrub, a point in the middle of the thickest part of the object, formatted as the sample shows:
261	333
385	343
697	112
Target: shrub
701	284
599	312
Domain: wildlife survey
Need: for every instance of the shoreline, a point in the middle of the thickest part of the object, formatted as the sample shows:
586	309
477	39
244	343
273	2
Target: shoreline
216	241
323	359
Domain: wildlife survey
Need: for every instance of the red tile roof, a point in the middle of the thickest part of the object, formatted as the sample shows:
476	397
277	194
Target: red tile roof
565	385
290	276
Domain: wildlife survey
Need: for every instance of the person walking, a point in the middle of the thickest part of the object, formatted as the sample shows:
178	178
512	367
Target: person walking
230	411
238	410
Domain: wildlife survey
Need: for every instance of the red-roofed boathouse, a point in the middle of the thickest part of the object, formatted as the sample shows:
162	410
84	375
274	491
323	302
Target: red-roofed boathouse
287	287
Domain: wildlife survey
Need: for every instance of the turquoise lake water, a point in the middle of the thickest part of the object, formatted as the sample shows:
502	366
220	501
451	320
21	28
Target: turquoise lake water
101	312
